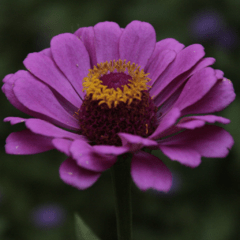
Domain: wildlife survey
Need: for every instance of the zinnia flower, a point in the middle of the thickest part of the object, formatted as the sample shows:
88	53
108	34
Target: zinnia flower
105	91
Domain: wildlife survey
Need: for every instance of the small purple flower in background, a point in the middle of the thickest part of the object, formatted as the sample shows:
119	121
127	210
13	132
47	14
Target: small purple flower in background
105	91
207	25
48	216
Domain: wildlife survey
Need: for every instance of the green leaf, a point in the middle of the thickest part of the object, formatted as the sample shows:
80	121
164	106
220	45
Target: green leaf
83	232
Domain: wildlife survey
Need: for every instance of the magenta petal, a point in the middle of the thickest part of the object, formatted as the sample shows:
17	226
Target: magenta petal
168	43
150	172
135	142
86	157
159	64
36	96
183	154
62	145
44	128
86	35
112	150
137	43
47	129
45	69
172	89
107	36
196	87
166	103
63	139
208	141
166	122
76	176
72	58
47	52
203	63
219	74
193	122
7	77
184	60
218	98
26	142
8	86
14	120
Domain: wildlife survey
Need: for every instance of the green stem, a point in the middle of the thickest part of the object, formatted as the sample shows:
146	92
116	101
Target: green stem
122	191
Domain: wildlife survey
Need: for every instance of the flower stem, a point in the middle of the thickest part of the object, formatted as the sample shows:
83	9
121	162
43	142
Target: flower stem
122	191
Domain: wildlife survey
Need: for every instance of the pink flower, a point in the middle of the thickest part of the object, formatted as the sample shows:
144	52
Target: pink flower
92	99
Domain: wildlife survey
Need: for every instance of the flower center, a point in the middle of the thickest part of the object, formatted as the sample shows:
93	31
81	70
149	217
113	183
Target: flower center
125	79
113	80
116	101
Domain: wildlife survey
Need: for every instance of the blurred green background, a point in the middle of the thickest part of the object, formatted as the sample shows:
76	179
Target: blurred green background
204	202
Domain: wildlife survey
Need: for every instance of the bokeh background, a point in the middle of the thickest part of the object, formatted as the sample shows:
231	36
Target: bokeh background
204	203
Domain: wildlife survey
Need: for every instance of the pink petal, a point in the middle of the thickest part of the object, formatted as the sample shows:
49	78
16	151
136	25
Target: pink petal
26	142
8	86
183	154
163	45
173	88
219	74
137	43
134	142
63	139
45	69
193	122
62	145
44	128
107	36
86	35
87	157
112	150
7	77
203	63
47	52
196	87
188	146
168	43
36	96
218	98
76	176
47	129
159	64
166	122
14	120
167	99
72	58
184	60
150	172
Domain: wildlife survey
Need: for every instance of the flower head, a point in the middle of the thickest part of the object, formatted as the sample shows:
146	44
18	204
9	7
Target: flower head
105	91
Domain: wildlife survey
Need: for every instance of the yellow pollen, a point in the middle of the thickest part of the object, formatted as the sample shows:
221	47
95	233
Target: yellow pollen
93	85
146	128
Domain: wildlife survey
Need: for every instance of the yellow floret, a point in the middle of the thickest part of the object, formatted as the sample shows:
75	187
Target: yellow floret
93	85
